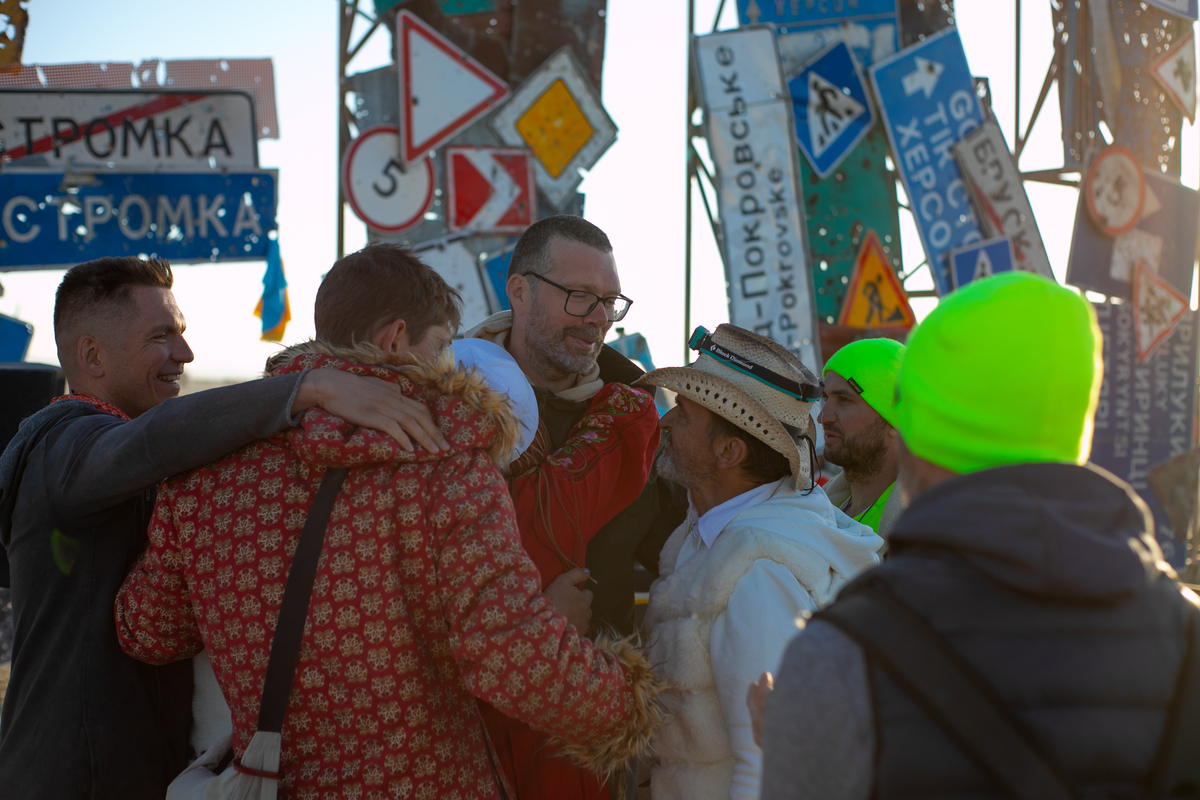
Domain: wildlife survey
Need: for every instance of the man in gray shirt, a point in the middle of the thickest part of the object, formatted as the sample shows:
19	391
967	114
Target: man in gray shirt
77	484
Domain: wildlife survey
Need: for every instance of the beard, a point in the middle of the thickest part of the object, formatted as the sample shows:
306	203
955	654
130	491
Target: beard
863	455
548	345
686	470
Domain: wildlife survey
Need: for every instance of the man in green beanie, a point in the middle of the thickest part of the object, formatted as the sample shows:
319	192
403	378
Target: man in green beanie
1025	638
859	417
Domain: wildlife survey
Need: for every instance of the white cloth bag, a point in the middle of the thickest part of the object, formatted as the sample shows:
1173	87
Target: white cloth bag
200	782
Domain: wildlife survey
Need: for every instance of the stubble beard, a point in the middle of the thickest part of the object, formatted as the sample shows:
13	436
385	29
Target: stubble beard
863	456
686	471
548	346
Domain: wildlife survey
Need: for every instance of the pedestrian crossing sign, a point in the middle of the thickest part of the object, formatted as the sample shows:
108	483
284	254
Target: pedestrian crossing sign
830	107
981	260
875	298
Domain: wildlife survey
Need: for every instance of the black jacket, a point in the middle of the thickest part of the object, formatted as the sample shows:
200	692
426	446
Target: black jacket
80	718
638	532
1046	579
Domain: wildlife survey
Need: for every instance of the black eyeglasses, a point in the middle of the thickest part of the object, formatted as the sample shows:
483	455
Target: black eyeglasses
580	303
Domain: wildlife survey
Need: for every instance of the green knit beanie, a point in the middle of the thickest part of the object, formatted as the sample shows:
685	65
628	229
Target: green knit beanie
872	368
1006	370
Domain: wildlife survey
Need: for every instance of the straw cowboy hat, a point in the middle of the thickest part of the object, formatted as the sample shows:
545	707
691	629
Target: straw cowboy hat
756	384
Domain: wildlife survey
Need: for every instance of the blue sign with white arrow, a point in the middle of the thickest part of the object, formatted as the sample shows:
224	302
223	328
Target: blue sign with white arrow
831	108
981	260
870	27
48	221
928	103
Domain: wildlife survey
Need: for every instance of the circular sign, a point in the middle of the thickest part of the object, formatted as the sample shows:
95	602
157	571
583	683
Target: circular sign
1116	190
383	193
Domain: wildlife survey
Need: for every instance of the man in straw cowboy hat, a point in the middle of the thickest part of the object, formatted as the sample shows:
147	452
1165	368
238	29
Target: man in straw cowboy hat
760	545
1024	585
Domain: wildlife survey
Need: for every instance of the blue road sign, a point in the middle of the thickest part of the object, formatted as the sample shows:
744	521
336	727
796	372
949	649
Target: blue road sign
928	103
1144	416
1184	8
181	216
831	108
980	260
496	268
1164	239
870	27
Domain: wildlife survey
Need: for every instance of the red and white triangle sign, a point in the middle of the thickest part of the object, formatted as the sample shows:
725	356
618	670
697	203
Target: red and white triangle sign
491	189
1176	71
442	89
1157	308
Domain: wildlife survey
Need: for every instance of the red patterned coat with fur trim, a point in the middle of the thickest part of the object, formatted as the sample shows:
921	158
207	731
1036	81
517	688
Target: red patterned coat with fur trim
424	600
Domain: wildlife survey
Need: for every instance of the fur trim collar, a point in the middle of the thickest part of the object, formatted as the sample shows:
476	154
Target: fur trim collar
456	398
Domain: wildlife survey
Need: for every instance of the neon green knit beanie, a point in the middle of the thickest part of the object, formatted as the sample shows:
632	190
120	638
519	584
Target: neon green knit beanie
1006	370
872	368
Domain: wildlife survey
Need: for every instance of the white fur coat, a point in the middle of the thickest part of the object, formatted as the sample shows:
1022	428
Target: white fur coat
790	552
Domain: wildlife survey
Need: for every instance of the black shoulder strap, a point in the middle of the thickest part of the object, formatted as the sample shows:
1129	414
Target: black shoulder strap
948	689
1177	771
285	646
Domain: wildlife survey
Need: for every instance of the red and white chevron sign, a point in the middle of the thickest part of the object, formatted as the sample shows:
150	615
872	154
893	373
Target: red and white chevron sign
491	189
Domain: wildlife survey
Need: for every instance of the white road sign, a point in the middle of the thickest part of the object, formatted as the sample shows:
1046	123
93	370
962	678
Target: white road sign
557	114
1176	71
442	89
97	129
383	193
751	135
462	270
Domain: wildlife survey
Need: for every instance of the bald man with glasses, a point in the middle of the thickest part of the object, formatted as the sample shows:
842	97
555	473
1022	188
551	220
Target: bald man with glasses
565	295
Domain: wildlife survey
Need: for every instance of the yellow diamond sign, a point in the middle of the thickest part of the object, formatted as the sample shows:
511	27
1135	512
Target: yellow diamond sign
555	128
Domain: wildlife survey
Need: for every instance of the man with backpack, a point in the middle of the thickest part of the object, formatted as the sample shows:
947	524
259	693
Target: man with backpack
1025	638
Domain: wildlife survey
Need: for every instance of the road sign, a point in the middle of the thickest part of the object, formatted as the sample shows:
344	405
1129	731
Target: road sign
495	269
1176	485
1146	409
557	114
1115	190
462	270
831	108
928	103
1163	238
751	137
1176	71
1157	308
875	299
491	189
383	193
1183	8
442	89
859	196
49	219
981	260
999	194
97	129
871	28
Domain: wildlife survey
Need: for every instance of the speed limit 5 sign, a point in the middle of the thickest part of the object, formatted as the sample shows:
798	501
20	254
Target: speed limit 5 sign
383	193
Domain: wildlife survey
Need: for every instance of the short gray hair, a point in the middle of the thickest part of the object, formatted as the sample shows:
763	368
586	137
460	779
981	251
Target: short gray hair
532	252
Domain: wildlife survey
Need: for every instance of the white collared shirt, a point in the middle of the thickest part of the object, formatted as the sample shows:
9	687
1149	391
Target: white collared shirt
705	530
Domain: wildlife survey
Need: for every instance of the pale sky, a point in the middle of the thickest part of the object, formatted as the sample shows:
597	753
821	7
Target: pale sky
635	193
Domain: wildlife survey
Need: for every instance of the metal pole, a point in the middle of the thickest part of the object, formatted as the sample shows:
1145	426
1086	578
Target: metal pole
687	213
1017	92
345	22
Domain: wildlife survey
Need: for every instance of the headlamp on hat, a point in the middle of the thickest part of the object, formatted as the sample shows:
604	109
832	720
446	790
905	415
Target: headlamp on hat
701	341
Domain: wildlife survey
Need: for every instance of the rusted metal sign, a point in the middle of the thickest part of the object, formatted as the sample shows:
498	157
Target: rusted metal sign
541	27
752	142
999	194
127	130
1146	410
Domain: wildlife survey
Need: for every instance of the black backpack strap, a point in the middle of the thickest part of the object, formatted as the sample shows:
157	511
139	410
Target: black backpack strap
954	695
285	646
1177	768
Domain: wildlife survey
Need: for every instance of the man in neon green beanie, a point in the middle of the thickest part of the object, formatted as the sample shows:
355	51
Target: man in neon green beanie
1025	637
858	416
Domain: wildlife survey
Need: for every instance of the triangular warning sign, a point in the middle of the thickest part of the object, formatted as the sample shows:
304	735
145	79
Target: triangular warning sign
983	266
442	89
830	110
875	298
1157	307
1176	71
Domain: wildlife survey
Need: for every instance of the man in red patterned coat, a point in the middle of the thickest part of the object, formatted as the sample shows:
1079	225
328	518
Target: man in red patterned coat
424	599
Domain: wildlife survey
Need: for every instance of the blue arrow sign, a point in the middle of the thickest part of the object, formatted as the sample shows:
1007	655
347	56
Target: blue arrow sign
928	103
180	216
831	108
981	260
870	27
